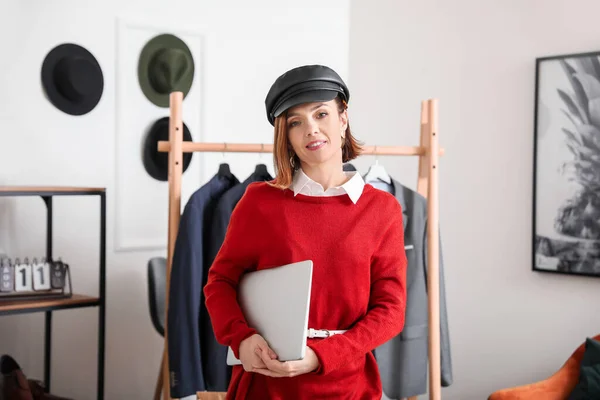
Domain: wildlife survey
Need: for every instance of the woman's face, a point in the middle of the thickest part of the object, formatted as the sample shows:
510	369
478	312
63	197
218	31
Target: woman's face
315	131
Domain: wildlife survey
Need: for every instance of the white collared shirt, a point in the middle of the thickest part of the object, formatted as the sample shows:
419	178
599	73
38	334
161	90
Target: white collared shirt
353	187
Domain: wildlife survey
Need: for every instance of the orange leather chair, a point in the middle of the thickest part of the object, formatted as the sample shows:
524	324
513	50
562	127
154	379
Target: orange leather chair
556	387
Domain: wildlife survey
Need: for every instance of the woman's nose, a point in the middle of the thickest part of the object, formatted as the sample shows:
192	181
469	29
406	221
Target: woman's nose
312	128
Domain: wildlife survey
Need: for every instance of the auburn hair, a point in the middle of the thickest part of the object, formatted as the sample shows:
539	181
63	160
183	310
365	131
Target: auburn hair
282	149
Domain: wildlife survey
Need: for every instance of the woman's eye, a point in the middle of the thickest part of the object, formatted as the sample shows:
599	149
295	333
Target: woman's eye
293	123
322	114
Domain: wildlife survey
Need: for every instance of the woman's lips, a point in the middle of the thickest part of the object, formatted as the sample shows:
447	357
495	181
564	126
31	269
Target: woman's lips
316	145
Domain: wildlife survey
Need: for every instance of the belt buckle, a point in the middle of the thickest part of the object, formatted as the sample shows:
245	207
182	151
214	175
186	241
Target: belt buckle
327	333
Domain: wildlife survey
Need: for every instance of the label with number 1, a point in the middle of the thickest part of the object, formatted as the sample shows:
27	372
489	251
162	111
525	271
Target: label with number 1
41	276
23	278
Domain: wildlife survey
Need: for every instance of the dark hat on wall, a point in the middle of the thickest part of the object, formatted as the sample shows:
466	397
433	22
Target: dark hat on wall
165	65
156	163
72	79
304	84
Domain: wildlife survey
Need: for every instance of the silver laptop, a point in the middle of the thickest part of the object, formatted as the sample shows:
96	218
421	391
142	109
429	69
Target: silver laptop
275	302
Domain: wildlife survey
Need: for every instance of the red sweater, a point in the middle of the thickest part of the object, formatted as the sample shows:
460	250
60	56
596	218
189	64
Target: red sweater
359	284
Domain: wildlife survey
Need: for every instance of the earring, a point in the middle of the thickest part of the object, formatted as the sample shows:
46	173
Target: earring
292	161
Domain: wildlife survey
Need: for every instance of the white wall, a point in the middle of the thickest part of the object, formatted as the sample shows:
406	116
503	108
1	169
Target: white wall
250	44
509	325
477	59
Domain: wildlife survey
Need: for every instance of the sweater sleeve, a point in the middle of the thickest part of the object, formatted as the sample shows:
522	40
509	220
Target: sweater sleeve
384	318
238	254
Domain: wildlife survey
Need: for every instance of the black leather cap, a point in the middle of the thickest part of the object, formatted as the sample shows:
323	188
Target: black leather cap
304	84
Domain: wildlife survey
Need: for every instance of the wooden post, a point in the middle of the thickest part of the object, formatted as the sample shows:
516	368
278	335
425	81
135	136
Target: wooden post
434	255
423	177
427	186
175	171
159	380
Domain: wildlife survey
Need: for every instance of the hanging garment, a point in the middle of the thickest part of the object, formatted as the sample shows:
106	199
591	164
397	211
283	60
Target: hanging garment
217	373
403	361
185	298
381	185
359	284
349	167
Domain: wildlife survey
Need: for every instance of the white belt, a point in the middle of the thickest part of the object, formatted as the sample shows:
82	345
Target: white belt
322	333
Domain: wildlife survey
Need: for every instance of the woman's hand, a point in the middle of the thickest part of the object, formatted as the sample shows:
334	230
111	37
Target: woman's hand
250	358
278	369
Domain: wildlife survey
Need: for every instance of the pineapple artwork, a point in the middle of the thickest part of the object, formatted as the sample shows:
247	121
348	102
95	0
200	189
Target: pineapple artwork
567	165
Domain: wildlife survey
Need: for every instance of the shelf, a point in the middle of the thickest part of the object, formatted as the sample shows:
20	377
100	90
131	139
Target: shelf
48	190
29	306
47	306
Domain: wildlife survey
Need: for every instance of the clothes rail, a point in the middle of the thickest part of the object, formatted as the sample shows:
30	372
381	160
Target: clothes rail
427	185
192	147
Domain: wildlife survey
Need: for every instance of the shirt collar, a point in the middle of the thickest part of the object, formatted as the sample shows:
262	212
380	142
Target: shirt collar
353	187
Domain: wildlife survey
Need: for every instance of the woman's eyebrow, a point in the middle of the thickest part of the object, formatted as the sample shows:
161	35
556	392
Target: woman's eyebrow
312	109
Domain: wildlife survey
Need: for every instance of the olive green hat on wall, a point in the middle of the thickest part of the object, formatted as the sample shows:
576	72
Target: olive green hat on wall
165	65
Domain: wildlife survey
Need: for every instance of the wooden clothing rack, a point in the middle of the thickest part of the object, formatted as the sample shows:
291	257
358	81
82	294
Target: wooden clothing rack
427	185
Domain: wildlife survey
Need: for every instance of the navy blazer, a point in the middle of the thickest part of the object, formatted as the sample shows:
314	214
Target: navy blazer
217	373
185	292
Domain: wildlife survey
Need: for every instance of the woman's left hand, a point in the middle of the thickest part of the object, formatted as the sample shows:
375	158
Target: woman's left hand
288	369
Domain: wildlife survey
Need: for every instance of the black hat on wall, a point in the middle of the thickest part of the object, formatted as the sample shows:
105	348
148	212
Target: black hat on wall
305	84
156	163
165	65
72	79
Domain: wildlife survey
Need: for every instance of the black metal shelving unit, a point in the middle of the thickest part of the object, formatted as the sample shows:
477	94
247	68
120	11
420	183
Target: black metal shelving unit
8	307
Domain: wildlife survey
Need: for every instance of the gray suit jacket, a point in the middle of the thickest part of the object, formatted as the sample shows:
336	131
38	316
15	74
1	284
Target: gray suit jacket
403	361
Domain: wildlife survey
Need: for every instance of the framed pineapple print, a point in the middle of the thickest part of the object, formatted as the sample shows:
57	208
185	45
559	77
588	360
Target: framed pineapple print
566	181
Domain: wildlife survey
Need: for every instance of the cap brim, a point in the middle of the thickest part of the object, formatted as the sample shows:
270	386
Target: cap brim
309	93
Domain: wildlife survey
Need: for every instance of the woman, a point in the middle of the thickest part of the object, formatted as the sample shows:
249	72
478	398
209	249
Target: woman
313	210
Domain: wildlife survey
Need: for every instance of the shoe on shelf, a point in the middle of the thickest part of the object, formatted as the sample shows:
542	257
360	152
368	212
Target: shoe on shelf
14	385
38	390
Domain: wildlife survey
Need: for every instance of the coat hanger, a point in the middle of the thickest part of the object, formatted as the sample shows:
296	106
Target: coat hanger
261	168
377	172
348	167
224	170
